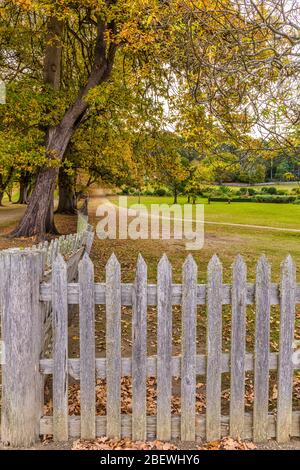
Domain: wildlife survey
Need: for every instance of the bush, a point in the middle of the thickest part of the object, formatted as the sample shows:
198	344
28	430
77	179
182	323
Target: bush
269	190
242	191
258	198
282	192
161	192
129	191
219	191
219	199
224	190
252	191
148	192
246	191
275	199
297	201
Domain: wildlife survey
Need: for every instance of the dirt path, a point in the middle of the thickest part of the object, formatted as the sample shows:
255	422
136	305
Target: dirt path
11	213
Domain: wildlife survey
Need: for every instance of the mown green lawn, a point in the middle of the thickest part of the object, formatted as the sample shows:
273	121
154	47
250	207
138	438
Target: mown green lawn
253	213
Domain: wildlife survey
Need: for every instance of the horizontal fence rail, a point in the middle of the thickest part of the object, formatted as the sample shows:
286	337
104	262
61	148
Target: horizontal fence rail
259	425
176	294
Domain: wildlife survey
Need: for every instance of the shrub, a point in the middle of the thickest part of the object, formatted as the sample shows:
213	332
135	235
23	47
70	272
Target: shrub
224	189
148	192
246	191
282	192
242	191
161	192
219	199
125	191
275	199
269	190
258	198
252	191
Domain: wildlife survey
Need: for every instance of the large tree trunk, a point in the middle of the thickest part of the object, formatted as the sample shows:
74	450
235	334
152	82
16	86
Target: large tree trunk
25	179
67	196
39	215
4	182
38	218
175	194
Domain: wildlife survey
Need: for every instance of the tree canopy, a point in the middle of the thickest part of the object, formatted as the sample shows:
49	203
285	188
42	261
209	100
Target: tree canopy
128	90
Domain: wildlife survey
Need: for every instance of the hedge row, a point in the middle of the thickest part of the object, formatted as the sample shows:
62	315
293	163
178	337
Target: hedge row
258	198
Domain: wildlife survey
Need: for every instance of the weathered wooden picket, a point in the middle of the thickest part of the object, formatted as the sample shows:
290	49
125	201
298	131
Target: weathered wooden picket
25	293
26	326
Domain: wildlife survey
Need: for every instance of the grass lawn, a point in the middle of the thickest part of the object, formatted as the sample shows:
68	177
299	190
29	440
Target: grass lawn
253	213
228	241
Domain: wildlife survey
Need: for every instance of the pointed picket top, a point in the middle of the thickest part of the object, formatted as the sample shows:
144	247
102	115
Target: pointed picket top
189	263
239	268
141	265
112	261
164	260
164	267
263	267
239	261
214	264
85	263
288	266
113	266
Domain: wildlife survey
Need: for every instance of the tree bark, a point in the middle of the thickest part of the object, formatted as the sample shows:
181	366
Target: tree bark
38	218
4	182
67	196
9	191
24	182
175	195
52	60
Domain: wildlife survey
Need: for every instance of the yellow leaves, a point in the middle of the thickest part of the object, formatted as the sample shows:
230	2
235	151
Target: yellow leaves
104	443
132	34
227	443
25	4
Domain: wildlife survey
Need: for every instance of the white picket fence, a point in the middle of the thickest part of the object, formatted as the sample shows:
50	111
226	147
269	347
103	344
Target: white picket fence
25	294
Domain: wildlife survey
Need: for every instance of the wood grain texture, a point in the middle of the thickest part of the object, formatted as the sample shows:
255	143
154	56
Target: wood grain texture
214	349
164	349
139	351
238	337
285	365
46	365
87	348
261	354
113	346
188	350
60	349
21	326
126	291
74	426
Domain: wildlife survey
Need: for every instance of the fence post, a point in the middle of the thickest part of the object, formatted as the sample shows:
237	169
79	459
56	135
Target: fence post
22	383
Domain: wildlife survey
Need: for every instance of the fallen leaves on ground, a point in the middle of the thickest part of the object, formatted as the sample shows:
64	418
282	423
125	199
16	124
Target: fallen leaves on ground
104	443
126	398
227	443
